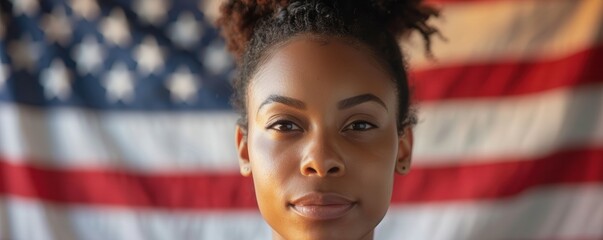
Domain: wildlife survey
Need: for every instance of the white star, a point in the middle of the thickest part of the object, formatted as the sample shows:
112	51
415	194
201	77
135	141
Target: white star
115	28
215	57
87	9
119	83
3	74
151	11
185	31
27	7
24	53
88	55
56	81
149	56
210	9
57	26
182	85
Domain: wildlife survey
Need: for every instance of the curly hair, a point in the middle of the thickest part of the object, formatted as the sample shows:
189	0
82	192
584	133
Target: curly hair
252	27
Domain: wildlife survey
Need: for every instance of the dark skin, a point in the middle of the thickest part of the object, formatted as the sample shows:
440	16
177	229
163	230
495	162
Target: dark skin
322	144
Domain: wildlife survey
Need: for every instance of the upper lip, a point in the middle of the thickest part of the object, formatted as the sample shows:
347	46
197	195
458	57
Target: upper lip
322	199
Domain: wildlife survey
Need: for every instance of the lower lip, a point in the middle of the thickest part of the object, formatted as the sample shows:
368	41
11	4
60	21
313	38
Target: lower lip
322	212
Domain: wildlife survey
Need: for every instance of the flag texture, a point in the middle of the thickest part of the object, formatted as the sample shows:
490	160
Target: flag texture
115	123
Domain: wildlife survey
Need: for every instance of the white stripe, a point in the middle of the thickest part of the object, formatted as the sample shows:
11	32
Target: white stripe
562	212
487	31
450	132
25	219
70	137
523	127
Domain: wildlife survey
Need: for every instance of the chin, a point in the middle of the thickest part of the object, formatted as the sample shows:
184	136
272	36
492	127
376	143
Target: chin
325	231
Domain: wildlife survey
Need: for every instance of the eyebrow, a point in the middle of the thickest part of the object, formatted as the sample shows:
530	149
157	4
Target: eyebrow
284	100
353	101
343	104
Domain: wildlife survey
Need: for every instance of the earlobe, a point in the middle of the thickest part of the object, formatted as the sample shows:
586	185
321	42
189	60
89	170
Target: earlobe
404	158
242	151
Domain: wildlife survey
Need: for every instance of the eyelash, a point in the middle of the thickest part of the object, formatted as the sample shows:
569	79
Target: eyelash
294	127
350	127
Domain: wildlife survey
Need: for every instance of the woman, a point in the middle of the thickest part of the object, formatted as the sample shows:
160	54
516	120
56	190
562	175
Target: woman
325	109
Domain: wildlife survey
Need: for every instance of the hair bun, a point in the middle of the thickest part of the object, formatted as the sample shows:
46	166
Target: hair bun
239	18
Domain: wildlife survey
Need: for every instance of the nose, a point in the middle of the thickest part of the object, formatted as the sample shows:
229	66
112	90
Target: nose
322	159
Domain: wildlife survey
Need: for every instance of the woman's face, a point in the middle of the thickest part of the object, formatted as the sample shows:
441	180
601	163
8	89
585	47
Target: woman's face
322	144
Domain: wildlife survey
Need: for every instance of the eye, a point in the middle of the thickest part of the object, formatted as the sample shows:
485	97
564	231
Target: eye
359	126
284	126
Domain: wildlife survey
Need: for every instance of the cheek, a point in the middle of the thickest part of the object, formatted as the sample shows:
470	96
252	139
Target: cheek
372	167
270	158
374	155
376	189
273	165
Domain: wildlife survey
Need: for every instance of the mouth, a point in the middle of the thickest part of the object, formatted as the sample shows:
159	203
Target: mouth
322	206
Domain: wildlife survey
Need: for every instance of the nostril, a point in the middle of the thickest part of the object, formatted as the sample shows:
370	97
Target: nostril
311	171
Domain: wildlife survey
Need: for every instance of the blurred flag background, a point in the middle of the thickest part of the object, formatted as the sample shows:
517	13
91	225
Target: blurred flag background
115	124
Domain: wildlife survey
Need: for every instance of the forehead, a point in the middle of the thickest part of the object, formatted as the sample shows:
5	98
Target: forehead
321	69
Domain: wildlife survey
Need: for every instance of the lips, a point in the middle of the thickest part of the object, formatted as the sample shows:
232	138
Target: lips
322	206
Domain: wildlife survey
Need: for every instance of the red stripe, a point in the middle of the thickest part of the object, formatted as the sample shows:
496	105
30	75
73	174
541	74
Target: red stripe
199	191
509	78
231	191
505	178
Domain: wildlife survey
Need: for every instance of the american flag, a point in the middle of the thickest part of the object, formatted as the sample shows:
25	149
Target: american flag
115	124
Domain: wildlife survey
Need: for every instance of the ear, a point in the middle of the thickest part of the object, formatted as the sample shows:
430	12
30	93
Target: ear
243	151
403	159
